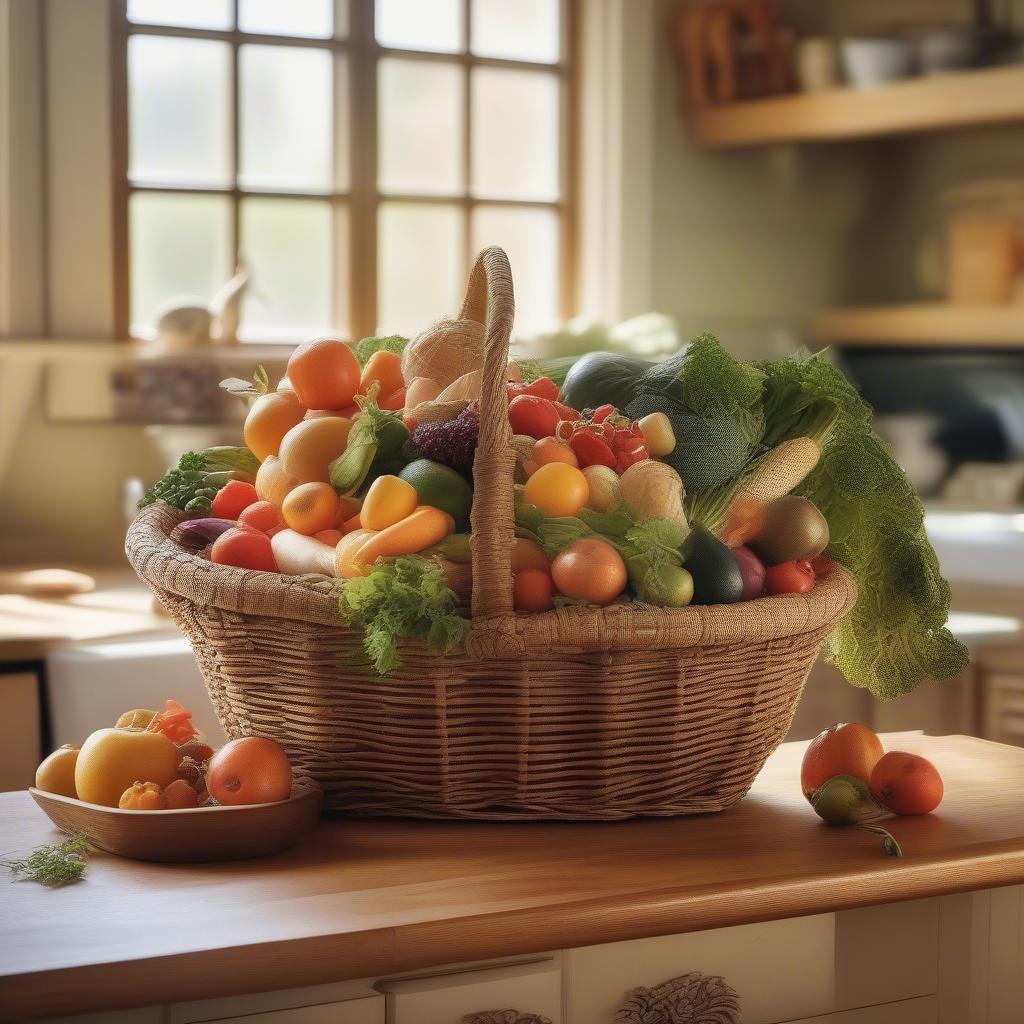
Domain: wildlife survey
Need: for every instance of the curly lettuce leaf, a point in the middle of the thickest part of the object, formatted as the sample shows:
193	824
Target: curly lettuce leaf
896	634
401	598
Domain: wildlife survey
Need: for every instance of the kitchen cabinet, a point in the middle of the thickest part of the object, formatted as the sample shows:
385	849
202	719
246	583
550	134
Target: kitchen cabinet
20	727
910	1011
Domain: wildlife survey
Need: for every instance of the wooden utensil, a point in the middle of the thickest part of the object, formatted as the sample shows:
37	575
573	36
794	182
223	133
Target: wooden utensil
189	836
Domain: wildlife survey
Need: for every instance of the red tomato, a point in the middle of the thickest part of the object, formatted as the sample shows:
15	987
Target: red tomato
796	577
542	387
535	417
532	590
245	548
233	498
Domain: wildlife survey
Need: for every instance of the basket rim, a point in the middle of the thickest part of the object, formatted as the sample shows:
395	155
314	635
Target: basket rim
166	566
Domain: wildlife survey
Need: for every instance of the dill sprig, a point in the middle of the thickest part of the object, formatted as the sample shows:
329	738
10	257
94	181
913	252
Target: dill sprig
53	865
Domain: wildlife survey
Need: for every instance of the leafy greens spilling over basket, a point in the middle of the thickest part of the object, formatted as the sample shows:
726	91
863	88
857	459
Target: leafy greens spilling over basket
697	479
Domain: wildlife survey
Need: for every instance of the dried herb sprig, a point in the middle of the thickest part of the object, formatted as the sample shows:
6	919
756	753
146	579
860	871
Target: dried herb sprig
53	865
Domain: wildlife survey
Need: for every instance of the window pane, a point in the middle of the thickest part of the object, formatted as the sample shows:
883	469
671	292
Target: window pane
312	18
342	319
420	265
287	246
286	110
179	111
515	138
342	126
214	14
523	30
421	127
530	237
179	248
434	25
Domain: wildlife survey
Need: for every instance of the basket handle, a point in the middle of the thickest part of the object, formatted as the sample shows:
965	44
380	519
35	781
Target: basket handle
489	301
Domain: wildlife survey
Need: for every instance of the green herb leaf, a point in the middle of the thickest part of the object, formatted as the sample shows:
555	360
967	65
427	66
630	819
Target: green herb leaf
53	865
406	597
370	346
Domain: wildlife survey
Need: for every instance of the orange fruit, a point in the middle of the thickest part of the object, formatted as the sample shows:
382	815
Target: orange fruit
846	748
906	783
310	508
589	570
324	373
143	796
549	449
557	489
112	759
272	482
309	448
251	770
180	795
269	418
56	773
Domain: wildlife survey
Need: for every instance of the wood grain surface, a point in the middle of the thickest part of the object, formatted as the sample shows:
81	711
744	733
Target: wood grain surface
365	898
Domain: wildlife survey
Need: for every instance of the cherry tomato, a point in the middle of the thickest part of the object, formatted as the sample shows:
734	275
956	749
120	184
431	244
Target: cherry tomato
532	590
533	416
796	577
233	498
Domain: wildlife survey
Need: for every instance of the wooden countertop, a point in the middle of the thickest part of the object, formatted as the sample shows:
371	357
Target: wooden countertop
120	606
366	898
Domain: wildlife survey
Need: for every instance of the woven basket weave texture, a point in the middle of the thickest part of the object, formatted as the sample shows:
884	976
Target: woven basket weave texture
578	713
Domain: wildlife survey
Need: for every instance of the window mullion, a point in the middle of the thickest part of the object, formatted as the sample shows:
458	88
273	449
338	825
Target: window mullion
467	154
236	136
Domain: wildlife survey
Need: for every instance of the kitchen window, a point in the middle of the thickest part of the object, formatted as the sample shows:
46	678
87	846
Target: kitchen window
354	154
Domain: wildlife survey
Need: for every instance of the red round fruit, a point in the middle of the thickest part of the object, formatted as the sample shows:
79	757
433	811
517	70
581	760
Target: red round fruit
906	783
532	590
847	748
795	577
233	498
250	770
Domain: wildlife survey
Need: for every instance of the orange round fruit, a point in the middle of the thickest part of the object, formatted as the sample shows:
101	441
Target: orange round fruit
143	796
846	748
56	773
309	448
269	418
251	770
528	554
180	795
906	783
112	759
310	508
557	489
590	570
272	482
324	373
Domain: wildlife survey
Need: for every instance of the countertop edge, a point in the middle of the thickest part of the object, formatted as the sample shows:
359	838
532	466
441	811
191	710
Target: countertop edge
322	959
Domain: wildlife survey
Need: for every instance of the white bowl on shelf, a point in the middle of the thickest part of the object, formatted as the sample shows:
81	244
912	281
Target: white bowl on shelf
869	63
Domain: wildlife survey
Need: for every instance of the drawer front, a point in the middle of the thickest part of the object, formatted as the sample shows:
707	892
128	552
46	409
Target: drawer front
353	1011
781	970
446	999
909	1011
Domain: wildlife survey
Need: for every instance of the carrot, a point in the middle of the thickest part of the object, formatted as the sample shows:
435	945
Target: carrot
425	527
347	555
385	367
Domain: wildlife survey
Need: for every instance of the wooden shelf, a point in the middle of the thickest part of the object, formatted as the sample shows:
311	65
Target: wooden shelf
924	324
954	100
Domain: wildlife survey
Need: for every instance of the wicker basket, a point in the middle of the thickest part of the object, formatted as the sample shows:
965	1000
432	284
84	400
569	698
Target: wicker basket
577	713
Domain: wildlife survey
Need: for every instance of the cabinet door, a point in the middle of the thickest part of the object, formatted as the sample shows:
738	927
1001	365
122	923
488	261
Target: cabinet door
781	970
20	729
446	999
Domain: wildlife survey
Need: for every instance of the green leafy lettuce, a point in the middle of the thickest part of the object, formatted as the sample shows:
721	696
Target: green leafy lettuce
406	597
370	346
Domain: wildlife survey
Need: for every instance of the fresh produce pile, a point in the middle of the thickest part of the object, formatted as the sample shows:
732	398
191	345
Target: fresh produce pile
698	479
849	779
158	761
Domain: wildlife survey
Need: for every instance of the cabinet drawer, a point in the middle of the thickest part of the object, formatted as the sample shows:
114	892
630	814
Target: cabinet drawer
445	999
369	1010
782	970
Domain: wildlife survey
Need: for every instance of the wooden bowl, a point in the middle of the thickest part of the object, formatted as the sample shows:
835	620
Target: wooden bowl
193	835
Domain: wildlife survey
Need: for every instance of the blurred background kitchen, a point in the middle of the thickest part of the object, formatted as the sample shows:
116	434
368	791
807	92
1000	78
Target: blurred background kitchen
189	187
